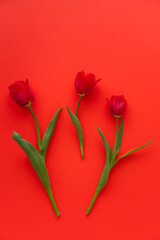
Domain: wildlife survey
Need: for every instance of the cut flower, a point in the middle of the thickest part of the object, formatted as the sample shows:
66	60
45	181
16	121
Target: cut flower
21	93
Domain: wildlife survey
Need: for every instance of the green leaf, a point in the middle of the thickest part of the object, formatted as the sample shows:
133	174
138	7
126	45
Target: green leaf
77	124
105	172
119	139
131	151
38	165
48	134
34	158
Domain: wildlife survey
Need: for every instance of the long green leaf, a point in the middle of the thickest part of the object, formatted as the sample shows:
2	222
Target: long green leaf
48	134
105	172
131	151
38	165
119	139
77	124
34	158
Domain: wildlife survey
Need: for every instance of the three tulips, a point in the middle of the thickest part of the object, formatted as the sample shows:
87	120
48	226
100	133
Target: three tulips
84	85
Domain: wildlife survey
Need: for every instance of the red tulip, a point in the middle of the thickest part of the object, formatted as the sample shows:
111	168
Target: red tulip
21	93
84	83
117	105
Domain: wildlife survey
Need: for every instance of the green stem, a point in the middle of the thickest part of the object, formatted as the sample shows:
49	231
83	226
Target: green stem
78	105
37	127
92	202
43	158
53	202
82	152
115	145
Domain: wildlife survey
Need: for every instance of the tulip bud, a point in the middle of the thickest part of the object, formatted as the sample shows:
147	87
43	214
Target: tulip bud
117	105
84	84
21	93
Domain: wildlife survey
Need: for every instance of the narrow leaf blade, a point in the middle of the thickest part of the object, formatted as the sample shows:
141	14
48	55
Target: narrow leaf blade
34	158
77	124
131	151
48	134
119	140
105	172
103	178
107	146
134	150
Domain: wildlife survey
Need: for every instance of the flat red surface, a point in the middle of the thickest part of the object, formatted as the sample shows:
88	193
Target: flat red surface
49	42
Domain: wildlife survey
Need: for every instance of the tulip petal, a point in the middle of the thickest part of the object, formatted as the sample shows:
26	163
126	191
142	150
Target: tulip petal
81	84
19	94
90	80
20	83
29	92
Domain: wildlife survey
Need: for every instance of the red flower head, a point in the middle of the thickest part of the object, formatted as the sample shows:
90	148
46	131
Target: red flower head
84	84
21	93
117	105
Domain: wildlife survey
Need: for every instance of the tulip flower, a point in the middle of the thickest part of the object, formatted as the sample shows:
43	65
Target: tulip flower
22	94
84	85
117	106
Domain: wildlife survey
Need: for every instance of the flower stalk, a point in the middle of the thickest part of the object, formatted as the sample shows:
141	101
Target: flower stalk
80	97
53	202
84	86
115	144
22	95
117	105
37	127
92	202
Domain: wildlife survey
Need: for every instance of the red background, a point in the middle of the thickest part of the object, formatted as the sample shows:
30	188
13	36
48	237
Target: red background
49	42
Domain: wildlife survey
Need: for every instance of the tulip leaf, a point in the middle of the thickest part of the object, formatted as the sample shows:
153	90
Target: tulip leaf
38	165
105	172
77	124
48	134
131	151
34	158
119	139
